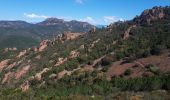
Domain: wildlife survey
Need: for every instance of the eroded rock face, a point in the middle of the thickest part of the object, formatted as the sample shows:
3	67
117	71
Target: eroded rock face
43	45
3	64
74	54
150	15
69	36
15	75
93	44
11	65
38	57
7	76
22	72
81	47
38	75
25	86
35	49
62	73
22	53
126	34
60	61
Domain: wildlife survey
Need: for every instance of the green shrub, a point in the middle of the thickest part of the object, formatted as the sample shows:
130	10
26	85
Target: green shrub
128	72
107	60
152	68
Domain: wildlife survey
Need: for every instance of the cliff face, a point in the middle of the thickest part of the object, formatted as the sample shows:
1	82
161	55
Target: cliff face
150	15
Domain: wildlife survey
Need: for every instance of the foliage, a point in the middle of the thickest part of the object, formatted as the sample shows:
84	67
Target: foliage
128	72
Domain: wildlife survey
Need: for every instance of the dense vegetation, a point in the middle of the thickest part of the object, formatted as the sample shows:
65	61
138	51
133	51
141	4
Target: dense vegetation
86	84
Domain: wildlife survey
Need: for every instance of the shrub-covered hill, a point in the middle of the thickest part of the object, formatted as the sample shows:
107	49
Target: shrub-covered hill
102	64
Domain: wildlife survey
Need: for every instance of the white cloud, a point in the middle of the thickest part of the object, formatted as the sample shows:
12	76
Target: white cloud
111	19
89	20
79	1
32	15
105	20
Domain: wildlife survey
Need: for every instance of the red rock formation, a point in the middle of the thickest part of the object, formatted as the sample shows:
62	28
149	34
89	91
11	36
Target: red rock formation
22	72
60	61
43	45
3	64
38	75
150	15
22	53
71	36
126	34
7	76
74	54
25	86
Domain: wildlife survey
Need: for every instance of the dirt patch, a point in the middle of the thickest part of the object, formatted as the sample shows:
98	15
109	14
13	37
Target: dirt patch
162	62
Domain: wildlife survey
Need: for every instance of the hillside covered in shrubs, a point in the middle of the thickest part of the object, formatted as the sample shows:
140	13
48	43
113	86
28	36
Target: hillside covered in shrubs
126	60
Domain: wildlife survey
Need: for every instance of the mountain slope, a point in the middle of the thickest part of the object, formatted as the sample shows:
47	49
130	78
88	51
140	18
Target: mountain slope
27	35
125	56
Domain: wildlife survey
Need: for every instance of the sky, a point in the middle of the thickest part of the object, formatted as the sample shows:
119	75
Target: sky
97	12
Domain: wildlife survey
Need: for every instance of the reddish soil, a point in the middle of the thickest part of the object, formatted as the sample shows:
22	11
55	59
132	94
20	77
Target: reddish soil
162	62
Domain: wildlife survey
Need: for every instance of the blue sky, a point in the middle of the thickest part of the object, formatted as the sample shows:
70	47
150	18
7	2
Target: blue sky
93	11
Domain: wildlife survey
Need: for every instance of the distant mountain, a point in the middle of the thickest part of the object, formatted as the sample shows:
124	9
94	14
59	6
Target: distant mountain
14	24
22	34
51	21
60	25
101	26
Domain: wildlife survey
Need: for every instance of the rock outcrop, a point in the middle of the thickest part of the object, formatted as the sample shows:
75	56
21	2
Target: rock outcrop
150	15
38	75
74	54
22	72
22	53
10	49
3	64
15	75
25	86
43	45
68	36
60	61
7	77
126	34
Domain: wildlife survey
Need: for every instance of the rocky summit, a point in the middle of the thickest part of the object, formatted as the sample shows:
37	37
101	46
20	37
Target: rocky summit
150	15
